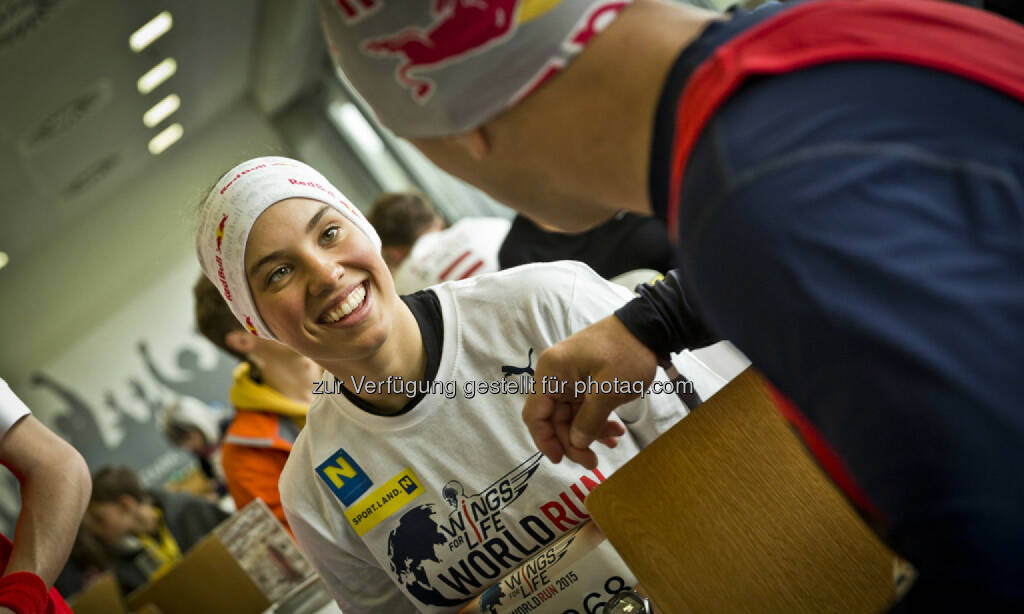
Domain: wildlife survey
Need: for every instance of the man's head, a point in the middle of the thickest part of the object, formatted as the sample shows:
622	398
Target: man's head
188	437
119	507
190	424
522	98
401	218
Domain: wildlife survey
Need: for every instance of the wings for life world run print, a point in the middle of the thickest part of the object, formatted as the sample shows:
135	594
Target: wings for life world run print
443	555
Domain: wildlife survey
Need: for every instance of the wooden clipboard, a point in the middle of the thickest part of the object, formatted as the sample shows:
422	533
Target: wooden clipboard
727	512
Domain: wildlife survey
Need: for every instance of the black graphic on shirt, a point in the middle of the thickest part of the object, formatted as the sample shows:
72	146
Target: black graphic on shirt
507	370
443	561
411	545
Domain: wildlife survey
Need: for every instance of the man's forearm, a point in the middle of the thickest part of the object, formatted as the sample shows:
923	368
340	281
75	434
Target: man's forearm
662	319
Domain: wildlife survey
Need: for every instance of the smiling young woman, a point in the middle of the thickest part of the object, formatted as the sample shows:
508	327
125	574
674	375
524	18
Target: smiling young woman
386	491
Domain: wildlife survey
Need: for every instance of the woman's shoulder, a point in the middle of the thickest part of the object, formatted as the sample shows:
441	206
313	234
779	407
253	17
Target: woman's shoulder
295	483
319	440
561	289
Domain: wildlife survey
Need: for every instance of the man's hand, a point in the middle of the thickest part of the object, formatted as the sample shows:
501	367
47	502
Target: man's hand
563	422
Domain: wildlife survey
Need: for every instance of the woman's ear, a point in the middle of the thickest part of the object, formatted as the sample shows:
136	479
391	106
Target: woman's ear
240	341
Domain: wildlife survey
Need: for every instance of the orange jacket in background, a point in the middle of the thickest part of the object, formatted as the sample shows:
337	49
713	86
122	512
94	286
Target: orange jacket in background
257	443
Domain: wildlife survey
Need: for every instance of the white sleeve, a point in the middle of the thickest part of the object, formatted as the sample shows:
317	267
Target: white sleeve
359	587
594	298
467	248
411	277
11	409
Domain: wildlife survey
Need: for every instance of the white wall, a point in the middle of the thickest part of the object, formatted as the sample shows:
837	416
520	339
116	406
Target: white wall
84	271
77	309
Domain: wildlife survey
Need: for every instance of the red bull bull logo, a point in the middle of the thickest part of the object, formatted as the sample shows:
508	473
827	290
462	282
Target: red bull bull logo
593	22
460	28
220	232
596	19
356	10
249	326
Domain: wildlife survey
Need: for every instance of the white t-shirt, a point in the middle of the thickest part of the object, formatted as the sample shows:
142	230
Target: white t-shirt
467	248
11	409
425	509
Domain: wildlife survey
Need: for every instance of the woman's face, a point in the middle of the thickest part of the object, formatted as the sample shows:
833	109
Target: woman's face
318	282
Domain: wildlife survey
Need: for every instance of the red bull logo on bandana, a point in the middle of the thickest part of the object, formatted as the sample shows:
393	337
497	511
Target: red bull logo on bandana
250	327
222	277
460	28
220	232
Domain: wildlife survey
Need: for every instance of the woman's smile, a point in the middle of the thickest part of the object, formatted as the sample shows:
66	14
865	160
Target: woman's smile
349	308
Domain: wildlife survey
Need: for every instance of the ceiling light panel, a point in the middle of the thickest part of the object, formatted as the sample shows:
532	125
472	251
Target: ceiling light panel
157	75
157	27
167	137
161	110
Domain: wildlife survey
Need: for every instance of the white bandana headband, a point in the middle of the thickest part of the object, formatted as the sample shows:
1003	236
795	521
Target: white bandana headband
438	67
228	213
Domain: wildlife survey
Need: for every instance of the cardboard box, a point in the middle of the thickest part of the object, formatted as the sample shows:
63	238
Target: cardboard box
265	550
208	579
102	596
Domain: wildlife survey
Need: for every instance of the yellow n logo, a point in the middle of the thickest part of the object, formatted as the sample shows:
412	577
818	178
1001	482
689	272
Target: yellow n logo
344	477
340	472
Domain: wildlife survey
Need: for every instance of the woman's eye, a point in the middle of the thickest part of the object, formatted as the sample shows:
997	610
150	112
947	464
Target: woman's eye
278	274
330	234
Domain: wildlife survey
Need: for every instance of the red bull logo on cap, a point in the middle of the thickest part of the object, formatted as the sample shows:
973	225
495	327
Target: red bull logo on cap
593	22
460	28
249	326
356	10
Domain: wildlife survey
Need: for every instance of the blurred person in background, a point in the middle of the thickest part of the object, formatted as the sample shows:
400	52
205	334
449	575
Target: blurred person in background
55	486
624	243
421	250
145	531
89	559
197	428
271	393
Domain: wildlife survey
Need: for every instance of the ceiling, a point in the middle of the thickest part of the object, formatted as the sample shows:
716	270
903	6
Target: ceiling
70	113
